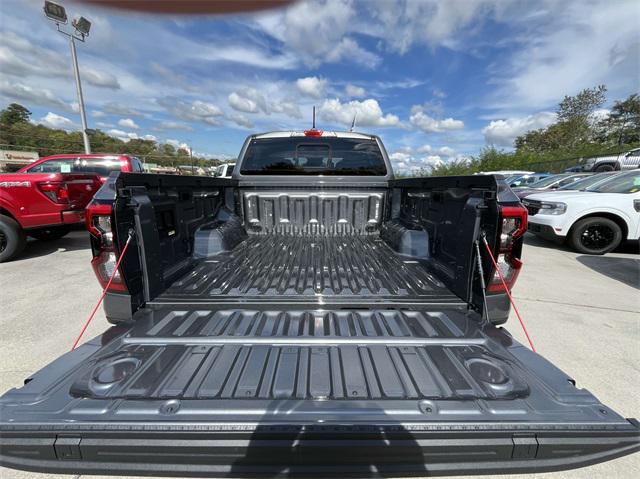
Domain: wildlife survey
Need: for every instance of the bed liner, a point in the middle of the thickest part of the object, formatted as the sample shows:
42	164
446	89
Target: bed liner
275	267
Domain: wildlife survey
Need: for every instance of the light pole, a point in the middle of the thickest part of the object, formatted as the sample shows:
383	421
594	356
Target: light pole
81	25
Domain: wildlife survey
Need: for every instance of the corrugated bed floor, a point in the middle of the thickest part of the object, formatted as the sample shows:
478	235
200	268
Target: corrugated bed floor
294	266
339	354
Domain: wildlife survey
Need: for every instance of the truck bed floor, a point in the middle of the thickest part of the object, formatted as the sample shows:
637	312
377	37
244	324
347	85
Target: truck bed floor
305	267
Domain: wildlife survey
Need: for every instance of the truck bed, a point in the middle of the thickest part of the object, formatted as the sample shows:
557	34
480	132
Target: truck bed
276	267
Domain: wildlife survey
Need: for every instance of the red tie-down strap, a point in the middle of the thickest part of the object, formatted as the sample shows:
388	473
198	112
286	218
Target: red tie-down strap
104	292
504	284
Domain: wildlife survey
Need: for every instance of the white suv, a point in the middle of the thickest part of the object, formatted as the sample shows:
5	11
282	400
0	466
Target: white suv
594	221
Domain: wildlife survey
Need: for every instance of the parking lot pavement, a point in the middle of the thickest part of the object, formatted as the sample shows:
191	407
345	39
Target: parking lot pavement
581	311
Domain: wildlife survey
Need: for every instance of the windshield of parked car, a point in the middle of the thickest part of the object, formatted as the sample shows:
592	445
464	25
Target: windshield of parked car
625	183
313	156
548	181
78	165
584	183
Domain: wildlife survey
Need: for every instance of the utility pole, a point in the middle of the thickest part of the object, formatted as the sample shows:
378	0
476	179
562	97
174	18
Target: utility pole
83	116
81	25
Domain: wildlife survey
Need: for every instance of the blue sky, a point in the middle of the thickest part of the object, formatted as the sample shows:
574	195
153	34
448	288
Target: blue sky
437	80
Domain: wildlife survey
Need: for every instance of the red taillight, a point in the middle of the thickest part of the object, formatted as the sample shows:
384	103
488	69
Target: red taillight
513	224
98	222
313	132
56	191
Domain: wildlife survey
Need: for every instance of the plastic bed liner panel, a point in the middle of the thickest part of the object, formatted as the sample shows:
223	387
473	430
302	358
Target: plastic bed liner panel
275	267
319	392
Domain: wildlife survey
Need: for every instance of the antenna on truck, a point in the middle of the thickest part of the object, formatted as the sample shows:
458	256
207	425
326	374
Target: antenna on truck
313	131
353	123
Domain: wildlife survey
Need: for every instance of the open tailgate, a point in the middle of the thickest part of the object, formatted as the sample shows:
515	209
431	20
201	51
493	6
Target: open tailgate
202	392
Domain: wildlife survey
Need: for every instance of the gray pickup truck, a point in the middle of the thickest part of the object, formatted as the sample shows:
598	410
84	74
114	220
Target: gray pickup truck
310	316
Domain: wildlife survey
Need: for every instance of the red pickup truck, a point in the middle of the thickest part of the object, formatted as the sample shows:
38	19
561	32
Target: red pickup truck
41	205
101	164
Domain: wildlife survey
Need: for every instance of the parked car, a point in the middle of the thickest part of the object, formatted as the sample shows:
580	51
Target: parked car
506	173
588	181
225	170
99	164
311	315
549	183
594	221
41	205
624	161
525	180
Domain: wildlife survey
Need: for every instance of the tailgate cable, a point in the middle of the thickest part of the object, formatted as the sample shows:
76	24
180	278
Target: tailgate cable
504	284
104	291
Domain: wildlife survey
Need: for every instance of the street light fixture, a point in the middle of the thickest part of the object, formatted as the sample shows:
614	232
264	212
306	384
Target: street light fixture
55	12
82	26
58	14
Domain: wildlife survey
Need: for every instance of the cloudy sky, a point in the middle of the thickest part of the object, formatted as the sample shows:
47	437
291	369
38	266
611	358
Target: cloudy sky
436	79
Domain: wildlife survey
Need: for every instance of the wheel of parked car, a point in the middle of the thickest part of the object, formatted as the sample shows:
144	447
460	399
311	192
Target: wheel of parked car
50	234
605	167
12	239
595	235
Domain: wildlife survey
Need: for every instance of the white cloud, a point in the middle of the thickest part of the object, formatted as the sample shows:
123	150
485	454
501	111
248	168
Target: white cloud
432	22
150	138
424	149
102	124
503	132
354	91
317	31
57	122
115	108
240	120
438	93
178	145
38	96
569	48
241	103
349	50
22	58
173	125
100	78
289	108
122	135
246	55
248	100
428	124
368	113
408	163
313	87
446	151
195	111
98	114
128	123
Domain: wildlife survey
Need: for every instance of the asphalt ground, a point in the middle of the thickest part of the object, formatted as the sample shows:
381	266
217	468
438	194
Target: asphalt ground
581	311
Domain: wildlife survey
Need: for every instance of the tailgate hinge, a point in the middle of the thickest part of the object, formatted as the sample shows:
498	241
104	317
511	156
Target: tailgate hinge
525	446
67	448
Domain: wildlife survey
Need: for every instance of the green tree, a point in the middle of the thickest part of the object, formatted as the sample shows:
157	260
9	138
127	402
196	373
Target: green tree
574	127
14	113
582	105
623	123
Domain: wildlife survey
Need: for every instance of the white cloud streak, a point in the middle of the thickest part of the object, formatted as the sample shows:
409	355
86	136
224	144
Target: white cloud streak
503	132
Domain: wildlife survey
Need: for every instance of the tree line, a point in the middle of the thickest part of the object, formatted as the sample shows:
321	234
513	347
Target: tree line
578	132
17	132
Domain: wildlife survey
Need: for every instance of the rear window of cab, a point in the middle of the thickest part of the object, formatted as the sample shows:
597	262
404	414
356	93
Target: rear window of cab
313	156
